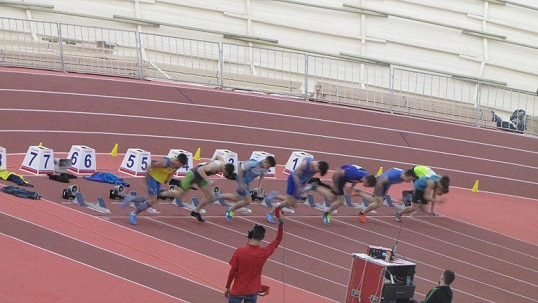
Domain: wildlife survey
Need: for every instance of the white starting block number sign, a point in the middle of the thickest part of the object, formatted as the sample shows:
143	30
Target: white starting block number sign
83	159
173	153
227	156
38	160
136	162
296	158
3	159
260	155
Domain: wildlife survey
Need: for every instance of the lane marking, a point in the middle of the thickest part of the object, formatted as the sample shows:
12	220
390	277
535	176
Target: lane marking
90	266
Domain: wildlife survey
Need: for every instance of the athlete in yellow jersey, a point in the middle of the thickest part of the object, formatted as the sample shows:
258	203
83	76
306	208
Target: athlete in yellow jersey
423	170
159	172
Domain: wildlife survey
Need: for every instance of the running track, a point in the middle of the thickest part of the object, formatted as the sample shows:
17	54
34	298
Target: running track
61	251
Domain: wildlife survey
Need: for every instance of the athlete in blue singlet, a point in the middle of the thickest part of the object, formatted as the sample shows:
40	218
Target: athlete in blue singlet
346	174
384	181
426	189
247	171
297	181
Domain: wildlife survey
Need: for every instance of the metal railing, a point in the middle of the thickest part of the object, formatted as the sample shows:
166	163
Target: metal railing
104	51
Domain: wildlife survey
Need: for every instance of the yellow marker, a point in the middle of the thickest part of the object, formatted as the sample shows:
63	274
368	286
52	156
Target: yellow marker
475	187
380	171
197	155
40	144
114	151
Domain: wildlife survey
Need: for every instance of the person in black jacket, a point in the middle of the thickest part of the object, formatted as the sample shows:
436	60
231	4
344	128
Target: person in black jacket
441	293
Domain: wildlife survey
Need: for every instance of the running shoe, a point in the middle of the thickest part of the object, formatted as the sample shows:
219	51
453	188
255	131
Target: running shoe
132	218
270	218
327	218
362	218
197	216
398	217
229	215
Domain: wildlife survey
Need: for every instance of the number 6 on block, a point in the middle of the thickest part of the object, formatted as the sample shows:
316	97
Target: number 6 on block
83	159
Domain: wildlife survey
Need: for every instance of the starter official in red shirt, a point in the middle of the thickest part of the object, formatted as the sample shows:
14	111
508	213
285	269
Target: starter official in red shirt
247	263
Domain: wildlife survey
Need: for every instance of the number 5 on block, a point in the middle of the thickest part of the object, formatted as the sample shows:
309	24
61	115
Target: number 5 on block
136	162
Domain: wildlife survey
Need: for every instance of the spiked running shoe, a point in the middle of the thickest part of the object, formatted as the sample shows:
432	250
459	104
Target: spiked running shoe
132	218
270	218
229	215
327	218
197	216
362	218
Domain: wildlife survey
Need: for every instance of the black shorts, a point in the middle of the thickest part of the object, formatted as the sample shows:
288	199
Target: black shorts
339	183
418	197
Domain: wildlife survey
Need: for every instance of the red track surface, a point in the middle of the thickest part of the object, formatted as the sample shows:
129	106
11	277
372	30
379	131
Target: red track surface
484	237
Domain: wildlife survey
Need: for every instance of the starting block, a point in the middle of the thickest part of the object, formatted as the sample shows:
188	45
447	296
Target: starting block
267	203
100	206
137	202
190	164
285	209
39	160
288	210
365	203
227	156
310	201
222	202
388	202
295	160
349	203
272	195
83	160
190	206
136	162
228	204
260	155
3	158
322	206
245	210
